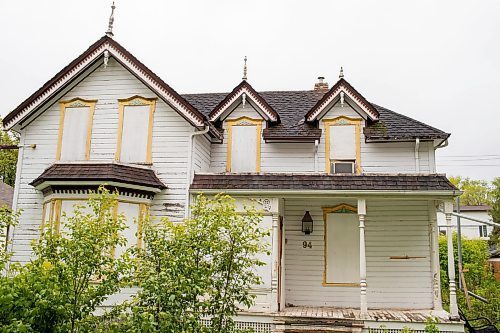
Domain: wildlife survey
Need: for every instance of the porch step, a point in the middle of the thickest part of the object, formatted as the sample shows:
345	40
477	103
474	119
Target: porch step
318	325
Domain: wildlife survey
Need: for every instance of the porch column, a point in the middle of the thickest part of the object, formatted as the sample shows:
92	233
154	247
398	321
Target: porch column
275	261
434	242
362	257
448	209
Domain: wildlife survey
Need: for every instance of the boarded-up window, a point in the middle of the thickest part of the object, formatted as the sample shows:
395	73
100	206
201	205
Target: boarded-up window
135	130
58	211
244	149
342	249
75	130
135	134
131	212
342	142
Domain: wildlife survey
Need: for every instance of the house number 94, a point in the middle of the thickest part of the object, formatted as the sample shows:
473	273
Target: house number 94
306	245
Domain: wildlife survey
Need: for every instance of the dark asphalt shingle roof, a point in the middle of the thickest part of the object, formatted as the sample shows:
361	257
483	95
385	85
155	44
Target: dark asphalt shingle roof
365	182
292	106
102	172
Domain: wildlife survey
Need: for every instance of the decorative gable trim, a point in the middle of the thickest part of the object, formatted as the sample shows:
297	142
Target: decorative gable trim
342	87
244	89
105	47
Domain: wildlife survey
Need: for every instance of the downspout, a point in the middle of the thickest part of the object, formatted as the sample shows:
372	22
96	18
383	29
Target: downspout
189	173
316	144
417	156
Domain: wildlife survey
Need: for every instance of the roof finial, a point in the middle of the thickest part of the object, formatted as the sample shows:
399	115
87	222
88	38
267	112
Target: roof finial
341	74
109	33
245	69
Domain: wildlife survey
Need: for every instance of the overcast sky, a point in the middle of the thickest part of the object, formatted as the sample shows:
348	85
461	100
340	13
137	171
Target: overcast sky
435	61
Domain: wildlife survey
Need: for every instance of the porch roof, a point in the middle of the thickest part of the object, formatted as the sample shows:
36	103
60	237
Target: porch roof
317	182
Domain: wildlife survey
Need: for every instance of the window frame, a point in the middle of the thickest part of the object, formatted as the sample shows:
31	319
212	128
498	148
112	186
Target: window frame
342	121
76	102
244	121
339	209
136	101
54	218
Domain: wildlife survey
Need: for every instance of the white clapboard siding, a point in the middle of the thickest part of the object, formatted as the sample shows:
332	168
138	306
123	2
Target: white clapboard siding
393	228
169	150
201	154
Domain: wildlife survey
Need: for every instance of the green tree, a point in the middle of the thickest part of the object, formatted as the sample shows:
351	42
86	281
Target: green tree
495	212
476	192
71	274
478	277
203	268
8	219
8	157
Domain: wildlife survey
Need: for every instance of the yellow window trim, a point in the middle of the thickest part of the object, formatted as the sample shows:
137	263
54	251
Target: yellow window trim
244	121
135	101
76	103
339	209
340	121
54	222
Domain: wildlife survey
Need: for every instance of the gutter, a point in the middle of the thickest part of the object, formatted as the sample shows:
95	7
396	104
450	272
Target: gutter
344	193
316	144
189	173
492	224
417	157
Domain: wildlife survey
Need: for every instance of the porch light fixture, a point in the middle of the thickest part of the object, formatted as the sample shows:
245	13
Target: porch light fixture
307	223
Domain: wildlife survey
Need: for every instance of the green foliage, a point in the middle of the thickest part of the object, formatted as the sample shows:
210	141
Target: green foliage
201	268
476	192
71	275
8	158
431	325
407	329
478	277
8	219
495	213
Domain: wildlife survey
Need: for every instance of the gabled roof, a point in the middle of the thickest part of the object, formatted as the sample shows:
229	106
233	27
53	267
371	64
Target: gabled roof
339	87
6	195
95	52
292	106
243	88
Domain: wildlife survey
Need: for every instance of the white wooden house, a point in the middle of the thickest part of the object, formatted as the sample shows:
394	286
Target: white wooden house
469	228
349	188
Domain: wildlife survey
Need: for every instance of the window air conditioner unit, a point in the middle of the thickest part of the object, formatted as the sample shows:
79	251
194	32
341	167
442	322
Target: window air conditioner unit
343	167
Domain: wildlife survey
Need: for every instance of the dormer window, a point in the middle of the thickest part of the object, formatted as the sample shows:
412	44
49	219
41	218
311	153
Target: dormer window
342	148
243	144
135	130
75	130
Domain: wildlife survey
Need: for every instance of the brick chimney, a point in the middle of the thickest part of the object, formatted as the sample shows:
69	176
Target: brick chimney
321	85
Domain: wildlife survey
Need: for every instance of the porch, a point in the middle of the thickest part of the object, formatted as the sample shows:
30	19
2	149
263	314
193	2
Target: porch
326	319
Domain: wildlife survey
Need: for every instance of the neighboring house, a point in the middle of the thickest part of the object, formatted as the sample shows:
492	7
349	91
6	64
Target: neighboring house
494	263
348	188
6	195
469	228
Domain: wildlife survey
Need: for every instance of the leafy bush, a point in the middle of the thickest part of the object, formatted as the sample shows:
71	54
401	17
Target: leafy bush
478	277
201	269
71	274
